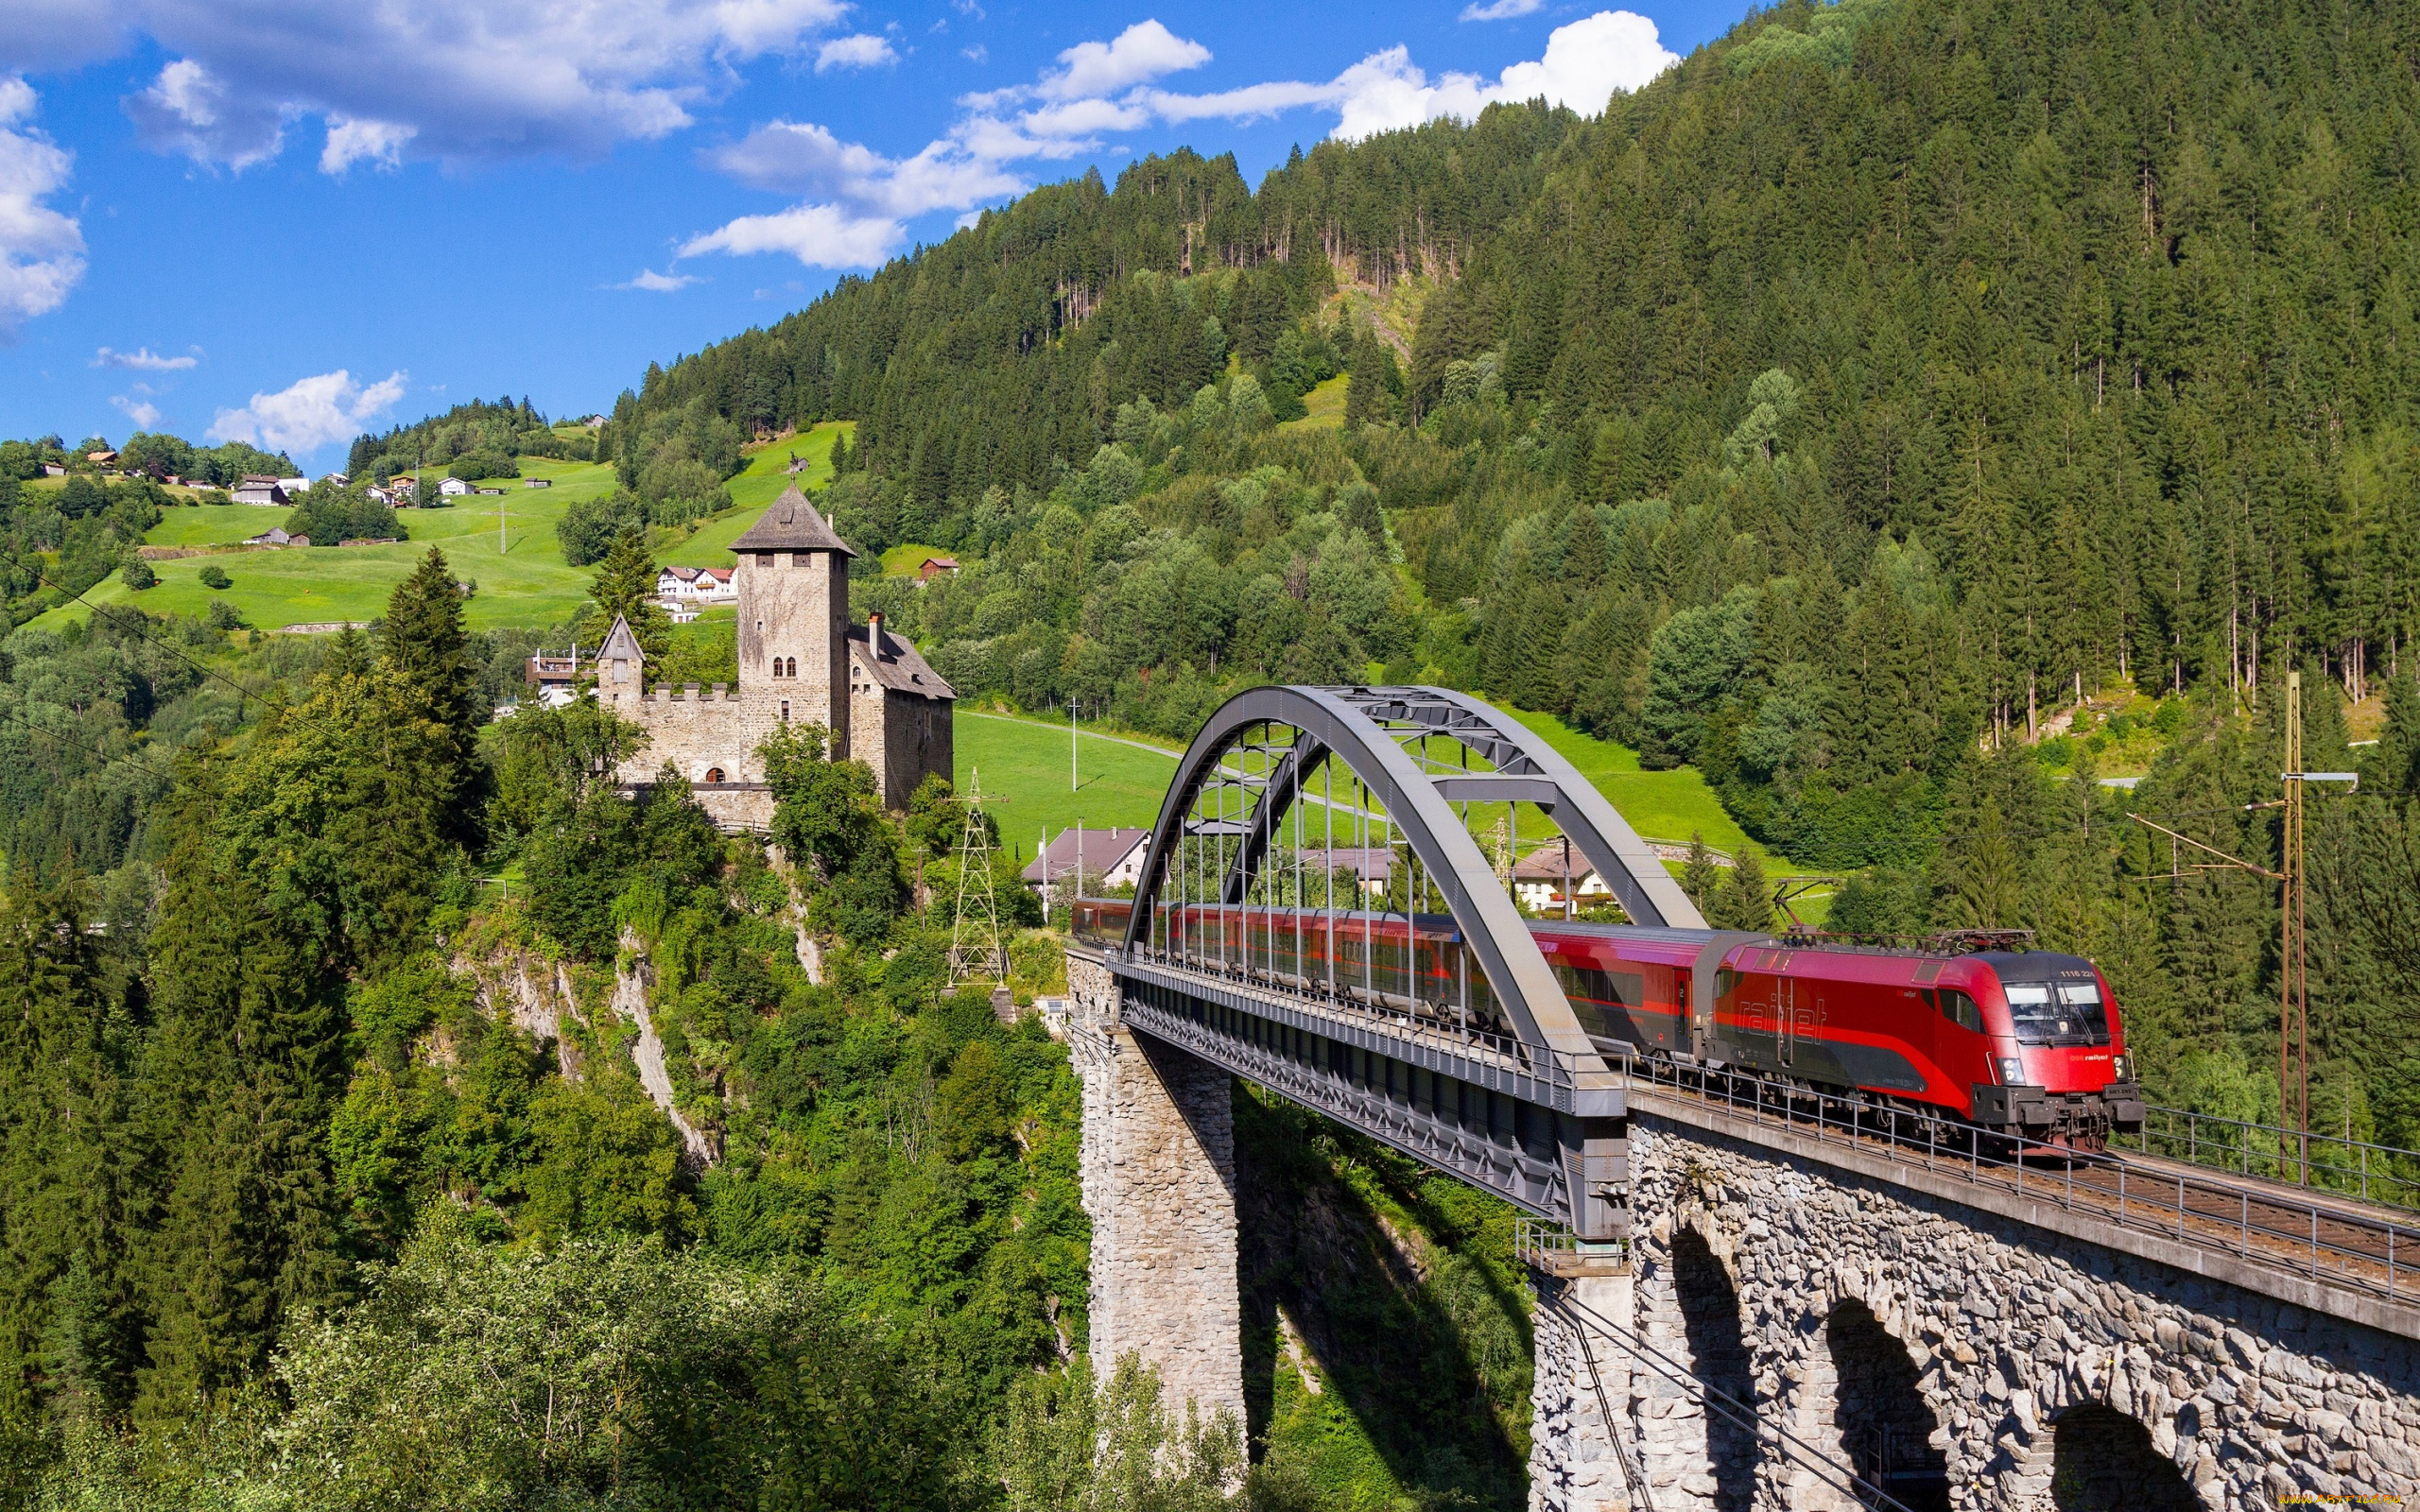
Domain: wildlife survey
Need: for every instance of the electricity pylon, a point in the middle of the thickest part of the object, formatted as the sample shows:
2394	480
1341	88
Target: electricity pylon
975	948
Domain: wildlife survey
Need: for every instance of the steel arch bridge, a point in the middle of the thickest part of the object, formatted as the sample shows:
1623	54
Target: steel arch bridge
1315	914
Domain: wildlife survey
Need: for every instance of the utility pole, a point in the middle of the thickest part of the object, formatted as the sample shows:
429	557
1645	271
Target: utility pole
1072	784
2294	988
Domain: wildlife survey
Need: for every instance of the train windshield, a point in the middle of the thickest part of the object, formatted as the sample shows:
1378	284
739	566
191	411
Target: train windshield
2058	1013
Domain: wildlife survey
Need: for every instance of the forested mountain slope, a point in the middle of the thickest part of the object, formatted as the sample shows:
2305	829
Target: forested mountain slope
1836	413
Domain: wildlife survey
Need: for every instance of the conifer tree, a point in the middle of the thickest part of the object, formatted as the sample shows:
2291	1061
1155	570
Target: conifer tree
625	586
242	1071
429	653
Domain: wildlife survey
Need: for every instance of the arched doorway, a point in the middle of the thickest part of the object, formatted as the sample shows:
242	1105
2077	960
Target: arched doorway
2103	1461
1886	1426
1710	1319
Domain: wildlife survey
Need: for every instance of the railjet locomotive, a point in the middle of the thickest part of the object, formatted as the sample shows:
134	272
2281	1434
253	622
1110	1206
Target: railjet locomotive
2022	1042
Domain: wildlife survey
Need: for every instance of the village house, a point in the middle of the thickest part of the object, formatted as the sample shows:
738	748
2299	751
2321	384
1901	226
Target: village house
454	488
276	536
295	485
537	483
935	567
1545	877
800	662
1110	858
256	489
100	459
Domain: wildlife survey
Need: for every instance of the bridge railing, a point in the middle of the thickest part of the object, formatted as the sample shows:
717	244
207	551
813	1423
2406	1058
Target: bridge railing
2374	1172
1427	1010
2260	1225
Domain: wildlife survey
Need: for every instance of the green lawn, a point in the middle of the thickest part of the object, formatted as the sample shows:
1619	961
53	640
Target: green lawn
1027	761
762	481
522	581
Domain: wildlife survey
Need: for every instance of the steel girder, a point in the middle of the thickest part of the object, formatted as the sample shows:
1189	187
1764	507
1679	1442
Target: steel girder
1341	728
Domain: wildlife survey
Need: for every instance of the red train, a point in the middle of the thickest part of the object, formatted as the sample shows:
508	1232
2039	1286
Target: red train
2023	1043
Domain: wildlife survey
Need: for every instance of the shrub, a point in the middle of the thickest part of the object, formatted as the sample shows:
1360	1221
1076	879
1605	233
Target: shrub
139	575
215	575
225	616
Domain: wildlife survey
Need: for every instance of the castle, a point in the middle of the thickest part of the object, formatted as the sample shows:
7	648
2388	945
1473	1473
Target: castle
800	662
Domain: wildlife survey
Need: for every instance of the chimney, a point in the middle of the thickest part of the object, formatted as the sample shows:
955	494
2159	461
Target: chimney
873	632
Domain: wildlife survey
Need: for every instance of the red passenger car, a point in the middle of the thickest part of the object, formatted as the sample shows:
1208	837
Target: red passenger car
2025	1042
2021	1042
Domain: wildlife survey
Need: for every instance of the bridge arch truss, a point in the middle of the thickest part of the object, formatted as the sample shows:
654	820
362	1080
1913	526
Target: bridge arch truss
1315	913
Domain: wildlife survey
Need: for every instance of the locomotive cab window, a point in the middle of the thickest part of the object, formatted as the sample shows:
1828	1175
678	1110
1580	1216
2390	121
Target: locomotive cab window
2064	1013
1960	1009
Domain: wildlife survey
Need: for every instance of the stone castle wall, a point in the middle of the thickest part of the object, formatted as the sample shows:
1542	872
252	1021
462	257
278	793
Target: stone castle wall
904	740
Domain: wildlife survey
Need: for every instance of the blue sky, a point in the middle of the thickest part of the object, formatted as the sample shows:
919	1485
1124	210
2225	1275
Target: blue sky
288	220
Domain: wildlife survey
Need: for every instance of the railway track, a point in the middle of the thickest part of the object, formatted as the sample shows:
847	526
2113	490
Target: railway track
2318	1234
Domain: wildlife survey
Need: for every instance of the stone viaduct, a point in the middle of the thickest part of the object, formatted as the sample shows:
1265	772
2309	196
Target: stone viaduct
1780	1315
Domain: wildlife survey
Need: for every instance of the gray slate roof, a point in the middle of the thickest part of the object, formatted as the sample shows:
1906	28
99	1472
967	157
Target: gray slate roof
897	666
791	525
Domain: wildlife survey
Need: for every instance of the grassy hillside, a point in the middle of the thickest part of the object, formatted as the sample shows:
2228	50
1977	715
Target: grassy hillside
522	579
1026	762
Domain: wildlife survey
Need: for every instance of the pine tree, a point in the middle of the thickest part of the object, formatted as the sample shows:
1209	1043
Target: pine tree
625	587
1700	876
430	654
238	1082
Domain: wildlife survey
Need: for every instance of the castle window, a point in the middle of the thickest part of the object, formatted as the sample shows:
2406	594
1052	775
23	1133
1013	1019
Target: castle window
786	710
714	774
764	558
790	668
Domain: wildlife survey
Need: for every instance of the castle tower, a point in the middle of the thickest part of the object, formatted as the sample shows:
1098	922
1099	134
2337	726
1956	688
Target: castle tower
800	662
792	579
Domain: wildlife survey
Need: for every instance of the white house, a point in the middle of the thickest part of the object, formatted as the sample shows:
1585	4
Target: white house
295	485
1540	881
255	489
537	483
694	585
454	488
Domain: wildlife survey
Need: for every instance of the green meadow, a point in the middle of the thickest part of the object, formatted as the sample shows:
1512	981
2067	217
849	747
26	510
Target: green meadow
520	573
1025	762
759	484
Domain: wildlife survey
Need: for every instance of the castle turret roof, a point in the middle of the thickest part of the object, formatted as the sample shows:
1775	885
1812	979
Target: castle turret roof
620	644
791	525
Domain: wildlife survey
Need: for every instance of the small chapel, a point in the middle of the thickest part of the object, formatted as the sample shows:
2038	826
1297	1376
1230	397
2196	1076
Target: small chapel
800	662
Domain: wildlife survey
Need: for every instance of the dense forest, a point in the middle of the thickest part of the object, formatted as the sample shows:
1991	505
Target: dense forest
1893	412
1887	411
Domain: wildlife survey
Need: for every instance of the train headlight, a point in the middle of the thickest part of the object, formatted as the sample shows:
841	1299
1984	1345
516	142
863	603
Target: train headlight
2118	1068
2012	1071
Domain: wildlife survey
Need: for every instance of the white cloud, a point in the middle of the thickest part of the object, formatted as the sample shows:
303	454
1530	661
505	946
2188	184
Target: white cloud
142	359
42	251
651	281
190	111
803	159
977	53
142	412
459	80
863	50
858	199
817	236
1584	63
1141	53
58	34
1502	9
309	413
380	144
